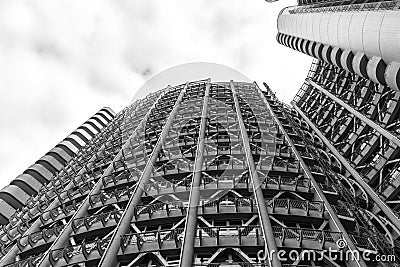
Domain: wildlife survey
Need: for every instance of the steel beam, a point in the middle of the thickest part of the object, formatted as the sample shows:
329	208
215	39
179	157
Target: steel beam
270	245
335	219
187	251
109	257
371	193
356	113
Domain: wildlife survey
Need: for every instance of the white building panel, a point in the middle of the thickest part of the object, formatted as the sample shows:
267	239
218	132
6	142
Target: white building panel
355	29
343	30
309	35
333	29
390	37
316	27
323	28
371	32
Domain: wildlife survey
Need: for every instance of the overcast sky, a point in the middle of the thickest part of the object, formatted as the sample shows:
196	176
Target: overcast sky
61	61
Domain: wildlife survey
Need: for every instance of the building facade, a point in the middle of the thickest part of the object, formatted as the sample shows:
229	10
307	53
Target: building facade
224	174
203	174
350	99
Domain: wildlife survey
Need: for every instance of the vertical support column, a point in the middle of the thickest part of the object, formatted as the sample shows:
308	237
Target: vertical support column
109	257
371	193
357	114
63	237
270	245
335	219
187	251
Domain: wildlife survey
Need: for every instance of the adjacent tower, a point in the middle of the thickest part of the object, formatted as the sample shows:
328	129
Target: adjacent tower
15	195
350	99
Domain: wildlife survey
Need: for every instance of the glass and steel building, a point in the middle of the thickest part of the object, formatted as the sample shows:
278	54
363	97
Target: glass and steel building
202	174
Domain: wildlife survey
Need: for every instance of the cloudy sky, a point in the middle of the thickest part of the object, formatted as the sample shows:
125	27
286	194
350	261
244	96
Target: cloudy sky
61	61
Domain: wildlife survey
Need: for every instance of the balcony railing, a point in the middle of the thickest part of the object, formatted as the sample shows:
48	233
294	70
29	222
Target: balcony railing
154	237
32	239
63	209
296	204
116	179
363	242
29	262
148	211
328	188
342	210
300	235
86	249
104	218
284	181
229	235
116	195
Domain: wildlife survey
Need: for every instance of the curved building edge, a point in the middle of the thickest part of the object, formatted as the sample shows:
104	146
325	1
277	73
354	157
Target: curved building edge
27	184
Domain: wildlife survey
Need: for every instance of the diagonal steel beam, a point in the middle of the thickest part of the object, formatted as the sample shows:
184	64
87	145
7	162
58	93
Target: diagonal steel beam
357	114
109	257
270	245
371	193
187	251
335	219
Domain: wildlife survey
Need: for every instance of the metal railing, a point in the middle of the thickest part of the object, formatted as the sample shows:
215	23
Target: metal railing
339	6
159	236
88	221
289	204
301	234
85	249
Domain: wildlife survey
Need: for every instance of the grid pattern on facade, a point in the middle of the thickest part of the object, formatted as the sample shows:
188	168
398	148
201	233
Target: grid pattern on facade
201	174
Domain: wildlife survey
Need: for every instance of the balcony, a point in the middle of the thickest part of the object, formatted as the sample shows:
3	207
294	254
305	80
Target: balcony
124	178
31	261
58	213
229	236
363	243
40	238
296	207
297	184
99	221
152	241
87	251
159	210
391	184
167	187
306	238
228	206
330	192
107	198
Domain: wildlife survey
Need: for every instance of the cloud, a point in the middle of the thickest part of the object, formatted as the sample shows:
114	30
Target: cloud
61	61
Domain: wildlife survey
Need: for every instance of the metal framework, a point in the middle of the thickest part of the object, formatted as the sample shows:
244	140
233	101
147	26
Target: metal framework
358	121
200	174
350	103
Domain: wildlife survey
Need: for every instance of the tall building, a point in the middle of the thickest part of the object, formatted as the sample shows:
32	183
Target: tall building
224	174
205	174
15	195
350	99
